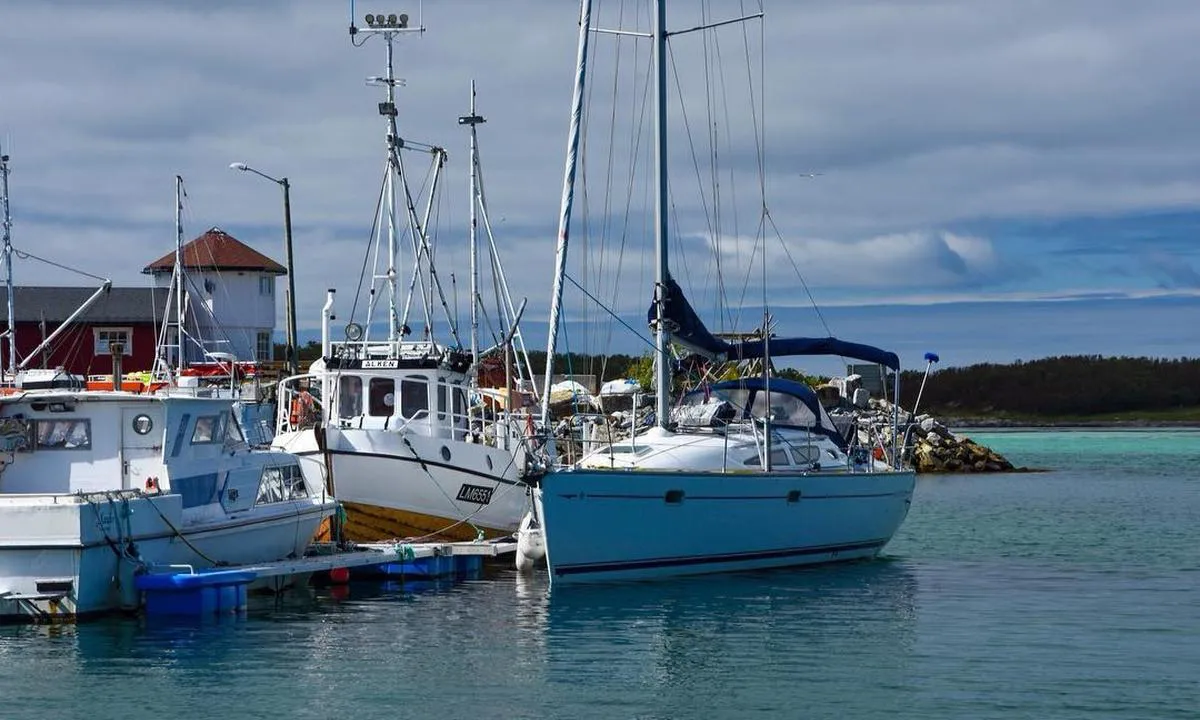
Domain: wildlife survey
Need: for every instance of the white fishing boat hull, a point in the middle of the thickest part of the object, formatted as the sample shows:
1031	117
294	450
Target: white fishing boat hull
693	523
398	485
67	556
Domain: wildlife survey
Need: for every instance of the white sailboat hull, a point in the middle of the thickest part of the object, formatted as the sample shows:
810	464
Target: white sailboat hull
395	485
635	525
75	555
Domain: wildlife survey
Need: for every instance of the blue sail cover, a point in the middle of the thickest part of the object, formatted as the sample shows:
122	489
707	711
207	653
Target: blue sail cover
685	325
788	347
687	329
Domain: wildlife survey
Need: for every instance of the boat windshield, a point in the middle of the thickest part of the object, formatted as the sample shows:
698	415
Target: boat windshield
789	404
785	408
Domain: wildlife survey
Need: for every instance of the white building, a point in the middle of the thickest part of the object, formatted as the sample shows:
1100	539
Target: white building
229	296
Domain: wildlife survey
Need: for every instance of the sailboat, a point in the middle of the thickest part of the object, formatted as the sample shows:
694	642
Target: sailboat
742	474
98	486
390	420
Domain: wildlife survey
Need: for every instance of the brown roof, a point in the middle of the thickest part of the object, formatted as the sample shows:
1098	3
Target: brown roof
217	250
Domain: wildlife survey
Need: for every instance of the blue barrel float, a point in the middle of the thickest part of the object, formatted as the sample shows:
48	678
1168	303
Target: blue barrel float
208	592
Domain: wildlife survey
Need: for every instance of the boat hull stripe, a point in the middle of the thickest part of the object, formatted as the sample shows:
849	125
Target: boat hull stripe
416	461
712	559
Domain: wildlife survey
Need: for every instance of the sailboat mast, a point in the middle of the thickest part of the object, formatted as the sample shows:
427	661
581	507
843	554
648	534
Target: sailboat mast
568	199
8	271
662	338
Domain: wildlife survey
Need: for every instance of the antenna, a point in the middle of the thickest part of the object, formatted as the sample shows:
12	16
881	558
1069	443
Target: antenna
384	23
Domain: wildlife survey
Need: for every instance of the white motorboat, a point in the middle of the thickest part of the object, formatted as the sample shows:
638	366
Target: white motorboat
96	487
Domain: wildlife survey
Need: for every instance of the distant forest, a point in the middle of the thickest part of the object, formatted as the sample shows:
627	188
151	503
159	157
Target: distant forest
1077	385
1066	386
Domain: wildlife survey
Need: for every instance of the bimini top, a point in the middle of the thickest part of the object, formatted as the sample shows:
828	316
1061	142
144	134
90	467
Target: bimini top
792	404
689	330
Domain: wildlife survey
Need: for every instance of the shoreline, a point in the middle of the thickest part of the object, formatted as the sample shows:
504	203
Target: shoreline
1006	424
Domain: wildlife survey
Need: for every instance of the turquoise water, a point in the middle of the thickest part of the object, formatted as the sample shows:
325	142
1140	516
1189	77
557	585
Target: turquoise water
1071	593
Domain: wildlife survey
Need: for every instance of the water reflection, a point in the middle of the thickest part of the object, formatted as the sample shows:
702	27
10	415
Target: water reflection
696	638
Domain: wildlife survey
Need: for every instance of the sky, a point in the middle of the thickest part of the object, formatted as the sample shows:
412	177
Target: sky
989	181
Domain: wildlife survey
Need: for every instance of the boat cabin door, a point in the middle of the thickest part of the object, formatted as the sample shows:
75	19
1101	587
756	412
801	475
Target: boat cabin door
141	448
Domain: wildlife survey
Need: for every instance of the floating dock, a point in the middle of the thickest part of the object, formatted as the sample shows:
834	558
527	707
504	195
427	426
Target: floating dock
181	590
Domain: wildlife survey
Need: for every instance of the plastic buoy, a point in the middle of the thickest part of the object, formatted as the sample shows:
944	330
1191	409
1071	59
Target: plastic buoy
339	575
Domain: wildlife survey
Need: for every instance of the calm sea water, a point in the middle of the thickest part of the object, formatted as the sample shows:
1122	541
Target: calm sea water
1073	593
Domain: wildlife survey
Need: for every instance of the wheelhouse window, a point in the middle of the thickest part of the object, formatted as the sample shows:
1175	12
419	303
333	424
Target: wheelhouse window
382	397
208	429
105	337
441	401
233	430
414	397
350	396
64	434
460	402
460	412
280	484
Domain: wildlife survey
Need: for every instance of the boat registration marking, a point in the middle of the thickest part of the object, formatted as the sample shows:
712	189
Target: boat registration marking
475	494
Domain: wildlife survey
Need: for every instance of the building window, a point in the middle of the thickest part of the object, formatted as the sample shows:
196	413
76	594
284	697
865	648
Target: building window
266	285
264	349
105	336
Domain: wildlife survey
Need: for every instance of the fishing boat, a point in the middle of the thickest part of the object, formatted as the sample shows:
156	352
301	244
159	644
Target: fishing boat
741	474
389	416
99	486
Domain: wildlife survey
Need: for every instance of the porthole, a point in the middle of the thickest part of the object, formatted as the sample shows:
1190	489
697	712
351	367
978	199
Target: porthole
142	424
446	453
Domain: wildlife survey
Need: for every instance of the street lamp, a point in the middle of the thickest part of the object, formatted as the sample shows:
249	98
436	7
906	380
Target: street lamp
290	303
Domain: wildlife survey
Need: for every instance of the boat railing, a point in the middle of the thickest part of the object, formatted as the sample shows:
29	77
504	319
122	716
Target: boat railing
297	408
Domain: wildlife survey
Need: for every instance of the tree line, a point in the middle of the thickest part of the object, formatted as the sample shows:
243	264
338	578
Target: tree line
1071	385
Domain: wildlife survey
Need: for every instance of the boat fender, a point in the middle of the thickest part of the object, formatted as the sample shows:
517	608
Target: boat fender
531	544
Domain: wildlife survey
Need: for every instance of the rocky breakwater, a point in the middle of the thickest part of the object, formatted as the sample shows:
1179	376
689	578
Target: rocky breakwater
929	446
932	448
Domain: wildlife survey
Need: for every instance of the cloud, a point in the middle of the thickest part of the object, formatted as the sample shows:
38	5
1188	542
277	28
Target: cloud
937	127
1173	272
